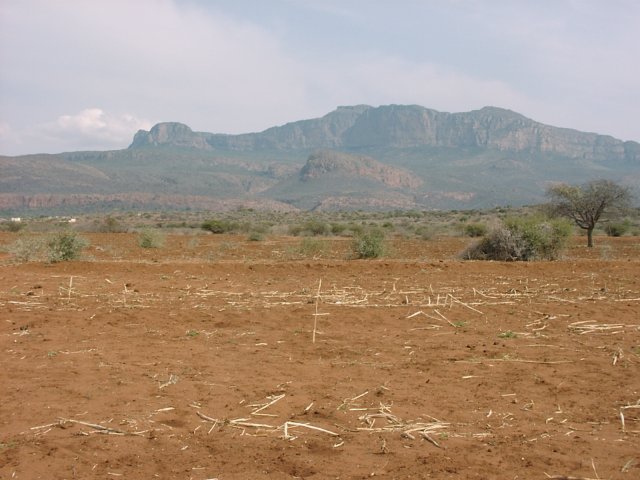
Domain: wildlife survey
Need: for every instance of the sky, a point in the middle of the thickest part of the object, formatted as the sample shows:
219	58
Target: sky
87	74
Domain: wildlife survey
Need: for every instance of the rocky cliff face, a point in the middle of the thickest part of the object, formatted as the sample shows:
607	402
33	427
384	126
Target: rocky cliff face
327	162
490	128
406	126
171	134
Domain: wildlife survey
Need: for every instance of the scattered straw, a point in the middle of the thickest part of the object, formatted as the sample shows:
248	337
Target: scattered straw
244	423
584	327
622	417
516	360
444	318
262	406
567	477
454	299
173	379
392	423
315	315
288	425
98	427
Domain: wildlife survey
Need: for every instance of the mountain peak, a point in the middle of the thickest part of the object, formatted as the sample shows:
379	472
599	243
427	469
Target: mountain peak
167	133
498	110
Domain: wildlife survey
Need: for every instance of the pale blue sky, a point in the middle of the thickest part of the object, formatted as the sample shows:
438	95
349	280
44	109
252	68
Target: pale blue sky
87	74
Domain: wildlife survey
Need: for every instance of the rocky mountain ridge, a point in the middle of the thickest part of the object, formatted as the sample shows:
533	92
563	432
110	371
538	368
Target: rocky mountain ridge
355	157
401	126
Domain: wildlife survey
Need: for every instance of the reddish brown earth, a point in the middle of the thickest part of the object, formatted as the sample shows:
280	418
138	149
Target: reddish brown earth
146	364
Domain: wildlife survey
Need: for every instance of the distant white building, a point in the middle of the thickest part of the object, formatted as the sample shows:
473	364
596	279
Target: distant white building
16	219
72	220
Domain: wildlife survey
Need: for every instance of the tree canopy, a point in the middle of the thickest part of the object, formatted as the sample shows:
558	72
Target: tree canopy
586	204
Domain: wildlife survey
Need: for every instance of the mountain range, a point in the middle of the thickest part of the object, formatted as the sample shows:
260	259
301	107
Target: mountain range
355	157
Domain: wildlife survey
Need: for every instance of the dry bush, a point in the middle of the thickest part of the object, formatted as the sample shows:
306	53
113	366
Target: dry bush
58	247
522	239
313	247
150	238
27	248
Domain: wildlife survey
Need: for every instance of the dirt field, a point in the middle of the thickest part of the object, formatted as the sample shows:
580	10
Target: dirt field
197	361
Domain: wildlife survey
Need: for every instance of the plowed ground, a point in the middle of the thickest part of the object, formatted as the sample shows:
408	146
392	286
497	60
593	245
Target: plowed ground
197	360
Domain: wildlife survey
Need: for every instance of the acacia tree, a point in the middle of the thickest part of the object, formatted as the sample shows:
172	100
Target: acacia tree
585	204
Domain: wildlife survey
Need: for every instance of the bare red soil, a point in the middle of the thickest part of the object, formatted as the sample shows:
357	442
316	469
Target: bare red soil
197	361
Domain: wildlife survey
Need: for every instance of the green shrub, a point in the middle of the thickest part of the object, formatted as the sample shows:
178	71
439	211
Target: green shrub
617	229
65	246
475	229
523	239
149	238
315	228
219	226
256	237
370	244
546	238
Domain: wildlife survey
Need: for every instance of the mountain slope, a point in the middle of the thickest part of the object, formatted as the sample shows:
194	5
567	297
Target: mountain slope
346	181
405	126
394	156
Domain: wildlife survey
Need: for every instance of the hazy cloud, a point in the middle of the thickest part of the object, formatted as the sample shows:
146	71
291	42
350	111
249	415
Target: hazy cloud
91	128
235	66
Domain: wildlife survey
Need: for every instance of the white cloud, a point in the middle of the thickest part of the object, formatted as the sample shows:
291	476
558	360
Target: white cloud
89	120
194	62
94	127
89	129
167	61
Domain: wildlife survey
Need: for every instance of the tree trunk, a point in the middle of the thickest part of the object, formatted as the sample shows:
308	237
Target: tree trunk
590	237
